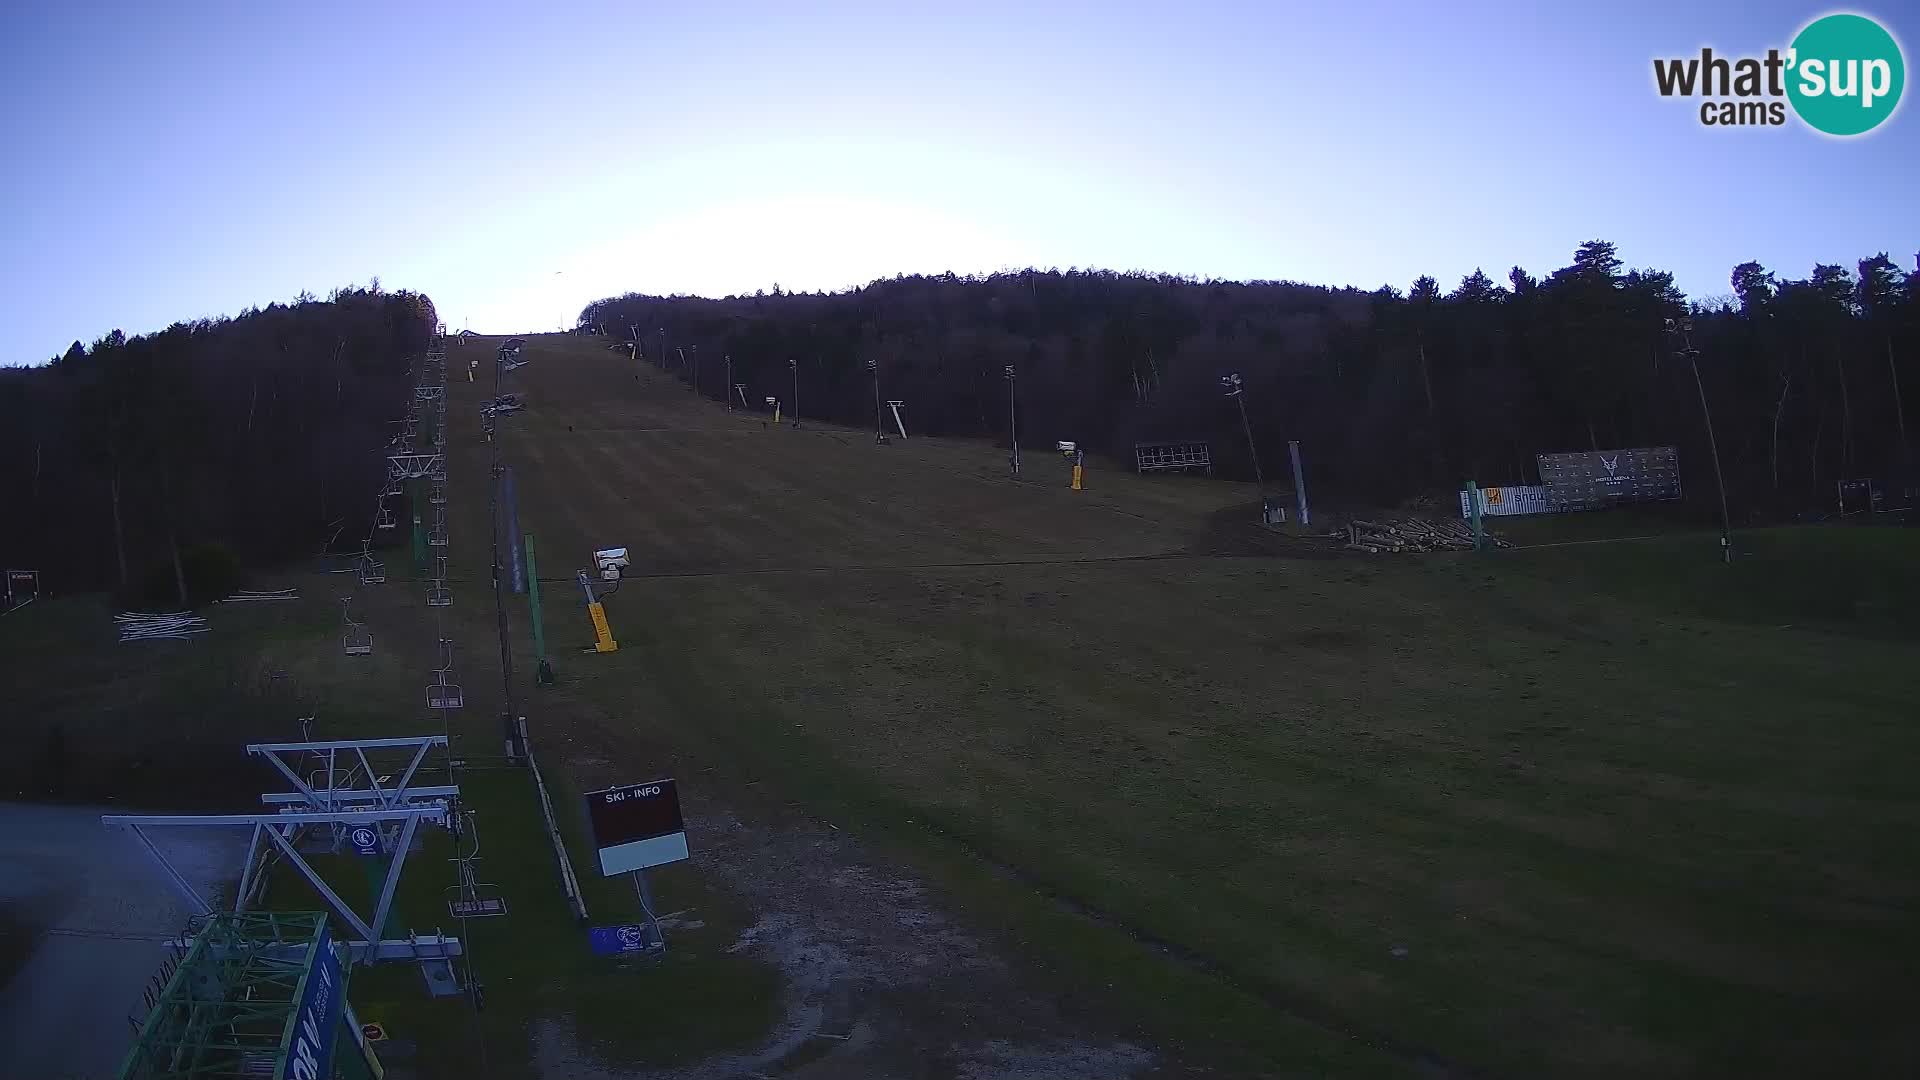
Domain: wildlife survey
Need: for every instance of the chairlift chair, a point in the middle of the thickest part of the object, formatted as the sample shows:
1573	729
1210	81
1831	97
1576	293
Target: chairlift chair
437	495
372	570
357	641
443	693
383	518
472	899
438	595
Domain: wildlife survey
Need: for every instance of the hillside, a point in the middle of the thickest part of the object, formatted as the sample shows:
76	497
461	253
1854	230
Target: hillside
1391	393
998	778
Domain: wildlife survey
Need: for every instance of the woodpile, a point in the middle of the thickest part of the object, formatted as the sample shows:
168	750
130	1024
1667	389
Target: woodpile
1411	535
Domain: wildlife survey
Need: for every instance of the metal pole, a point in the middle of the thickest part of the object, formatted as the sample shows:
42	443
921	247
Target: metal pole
1013	428
1252	450
645	893
1299	481
879	435
1726	523
723	389
543	673
1684	328
515	740
795	365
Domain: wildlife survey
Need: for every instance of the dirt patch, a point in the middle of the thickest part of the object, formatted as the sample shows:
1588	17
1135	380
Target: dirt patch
879	980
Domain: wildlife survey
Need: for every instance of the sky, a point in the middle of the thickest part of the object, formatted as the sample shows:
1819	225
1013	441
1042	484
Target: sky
167	162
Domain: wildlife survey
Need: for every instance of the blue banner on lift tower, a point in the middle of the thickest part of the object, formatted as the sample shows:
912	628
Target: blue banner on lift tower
310	1053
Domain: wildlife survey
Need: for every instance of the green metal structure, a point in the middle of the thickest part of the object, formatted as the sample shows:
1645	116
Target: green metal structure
227	1009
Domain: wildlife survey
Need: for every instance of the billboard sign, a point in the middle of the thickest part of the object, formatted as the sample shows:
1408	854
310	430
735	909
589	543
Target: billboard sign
22	588
1509	501
1593	479
310	1054
637	826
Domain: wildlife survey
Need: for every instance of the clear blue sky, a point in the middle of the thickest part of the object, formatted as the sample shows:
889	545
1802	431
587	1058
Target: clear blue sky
515	161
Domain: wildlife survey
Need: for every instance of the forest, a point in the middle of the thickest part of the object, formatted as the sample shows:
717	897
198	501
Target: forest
255	439
1391	393
166	463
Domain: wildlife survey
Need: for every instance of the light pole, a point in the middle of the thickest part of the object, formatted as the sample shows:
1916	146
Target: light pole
879	435
1230	382
729	359
1683	330
663	348
696	367
1013	429
794	365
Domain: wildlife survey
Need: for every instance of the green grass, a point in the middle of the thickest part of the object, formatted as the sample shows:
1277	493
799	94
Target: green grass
1575	811
1598	810
162	726
534	962
1843	578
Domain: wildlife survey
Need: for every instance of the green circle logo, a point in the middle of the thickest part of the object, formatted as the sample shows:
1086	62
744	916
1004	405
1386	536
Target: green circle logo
1845	74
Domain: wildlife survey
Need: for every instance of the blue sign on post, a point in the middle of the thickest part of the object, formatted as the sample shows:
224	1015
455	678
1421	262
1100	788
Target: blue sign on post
310	1054
365	840
614	940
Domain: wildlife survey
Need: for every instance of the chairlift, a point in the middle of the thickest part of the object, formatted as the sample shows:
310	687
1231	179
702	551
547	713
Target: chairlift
437	495
372	570
472	899
383	518
437	537
443	693
438	595
357	641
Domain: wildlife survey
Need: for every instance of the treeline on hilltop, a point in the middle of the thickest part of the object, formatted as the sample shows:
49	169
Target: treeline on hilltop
130	463
1390	393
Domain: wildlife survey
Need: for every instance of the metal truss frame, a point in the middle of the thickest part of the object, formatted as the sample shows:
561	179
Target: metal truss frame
415	466
332	787
280	830
227	1007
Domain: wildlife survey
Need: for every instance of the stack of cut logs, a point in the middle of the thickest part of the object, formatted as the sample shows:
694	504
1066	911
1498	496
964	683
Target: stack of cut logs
1411	534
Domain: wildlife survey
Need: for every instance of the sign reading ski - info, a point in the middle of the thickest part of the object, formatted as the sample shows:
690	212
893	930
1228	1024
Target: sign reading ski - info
637	826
